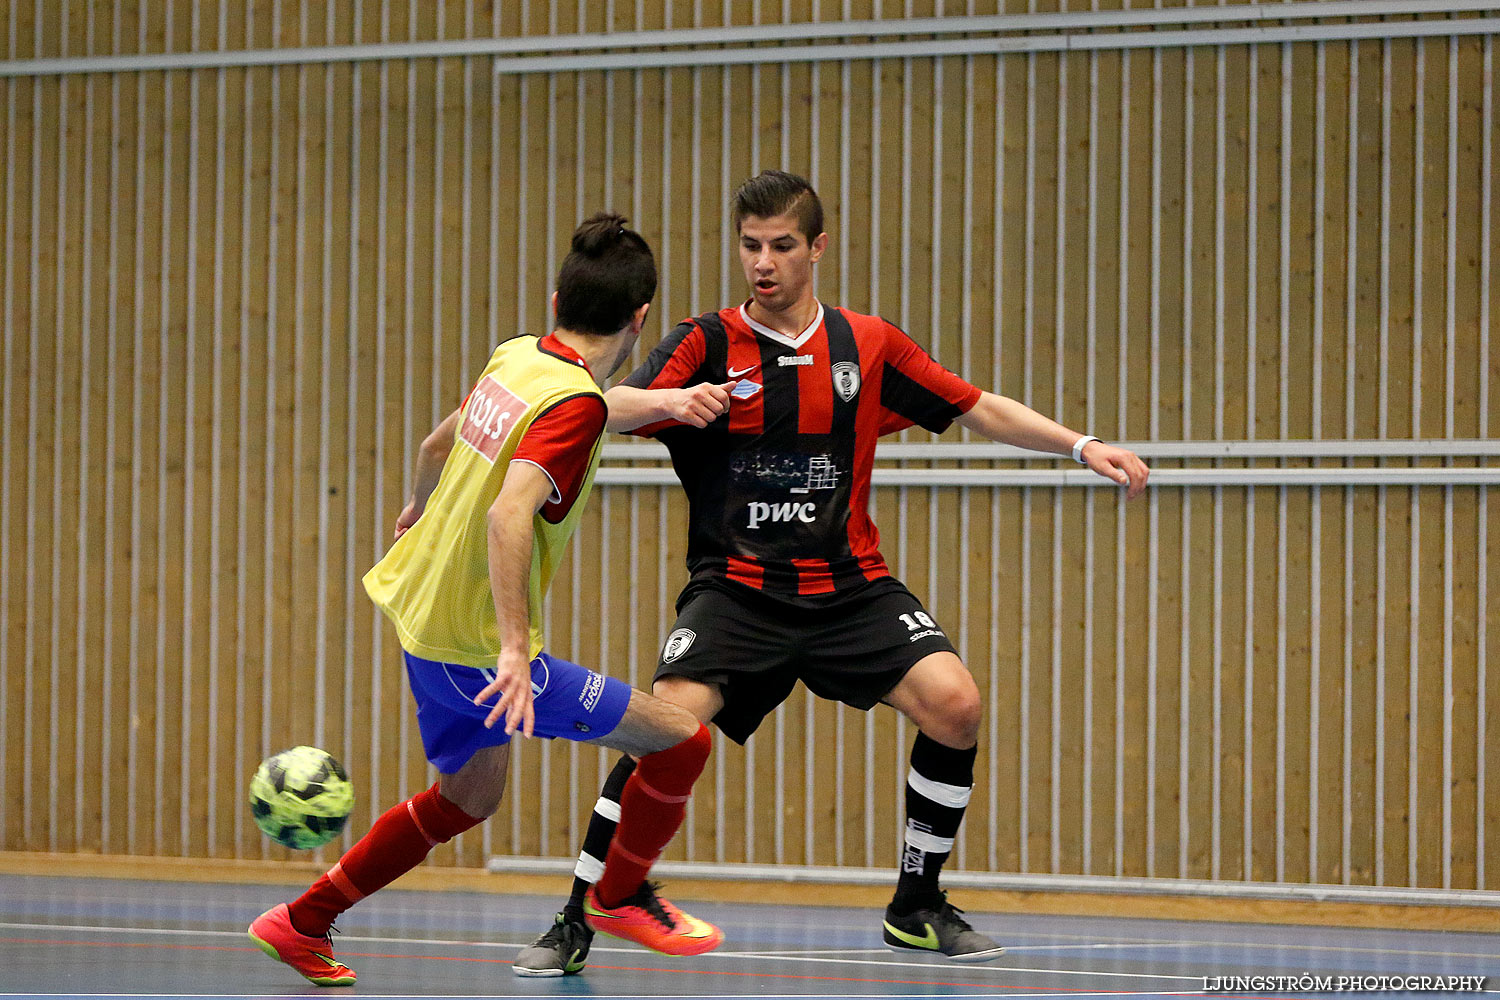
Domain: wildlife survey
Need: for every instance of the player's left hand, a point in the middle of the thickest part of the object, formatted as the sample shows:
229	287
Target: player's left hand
513	684
407	517
1124	467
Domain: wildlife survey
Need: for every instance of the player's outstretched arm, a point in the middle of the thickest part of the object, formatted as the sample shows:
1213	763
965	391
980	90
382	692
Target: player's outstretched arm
511	536
431	456
1002	419
697	405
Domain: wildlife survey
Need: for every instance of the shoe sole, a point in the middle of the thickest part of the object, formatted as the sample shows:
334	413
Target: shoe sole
539	973
270	950
972	957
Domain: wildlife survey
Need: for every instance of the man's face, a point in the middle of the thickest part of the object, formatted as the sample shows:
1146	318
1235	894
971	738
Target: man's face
778	260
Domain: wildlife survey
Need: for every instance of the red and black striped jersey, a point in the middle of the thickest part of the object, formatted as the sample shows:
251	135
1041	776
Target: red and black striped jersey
779	486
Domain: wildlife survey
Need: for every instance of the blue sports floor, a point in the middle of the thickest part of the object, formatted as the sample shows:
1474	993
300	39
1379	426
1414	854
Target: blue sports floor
75	937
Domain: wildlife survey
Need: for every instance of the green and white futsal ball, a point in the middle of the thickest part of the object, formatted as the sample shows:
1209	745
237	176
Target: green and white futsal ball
301	797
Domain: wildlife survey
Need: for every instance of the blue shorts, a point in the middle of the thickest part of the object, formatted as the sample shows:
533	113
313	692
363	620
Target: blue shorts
569	701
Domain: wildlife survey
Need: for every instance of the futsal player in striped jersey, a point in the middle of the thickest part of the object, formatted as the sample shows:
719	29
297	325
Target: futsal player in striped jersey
499	488
771	410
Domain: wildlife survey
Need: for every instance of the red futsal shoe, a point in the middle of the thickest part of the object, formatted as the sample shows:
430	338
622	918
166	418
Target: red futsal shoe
647	919
274	934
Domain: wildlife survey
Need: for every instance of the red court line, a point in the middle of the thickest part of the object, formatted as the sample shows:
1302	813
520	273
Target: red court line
612	968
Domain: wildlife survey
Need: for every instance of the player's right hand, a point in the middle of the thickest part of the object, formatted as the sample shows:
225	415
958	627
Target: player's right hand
513	683
699	405
1124	467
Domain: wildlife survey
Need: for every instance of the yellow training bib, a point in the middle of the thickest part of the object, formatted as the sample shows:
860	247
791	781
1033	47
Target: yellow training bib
434	583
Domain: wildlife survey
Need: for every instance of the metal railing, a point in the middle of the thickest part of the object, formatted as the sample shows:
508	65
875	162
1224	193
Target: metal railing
1061	32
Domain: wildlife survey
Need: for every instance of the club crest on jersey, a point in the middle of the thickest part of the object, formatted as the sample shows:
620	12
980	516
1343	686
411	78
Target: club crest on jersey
745	389
677	644
846	380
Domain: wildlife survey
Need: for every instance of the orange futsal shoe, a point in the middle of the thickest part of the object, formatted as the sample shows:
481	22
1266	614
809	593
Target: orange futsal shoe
273	932
647	919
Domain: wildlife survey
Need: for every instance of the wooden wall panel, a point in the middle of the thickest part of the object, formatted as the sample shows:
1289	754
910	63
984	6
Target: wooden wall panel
234	301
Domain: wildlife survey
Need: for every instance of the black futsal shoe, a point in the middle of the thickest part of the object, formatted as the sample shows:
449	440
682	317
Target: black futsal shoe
560	951
939	930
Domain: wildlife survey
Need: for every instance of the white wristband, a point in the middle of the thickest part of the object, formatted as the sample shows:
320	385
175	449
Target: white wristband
1078	447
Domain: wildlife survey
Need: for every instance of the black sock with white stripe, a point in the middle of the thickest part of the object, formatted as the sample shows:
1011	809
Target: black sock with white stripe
938	787
601	831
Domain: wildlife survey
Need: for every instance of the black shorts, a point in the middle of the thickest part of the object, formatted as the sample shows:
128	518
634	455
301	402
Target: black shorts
756	648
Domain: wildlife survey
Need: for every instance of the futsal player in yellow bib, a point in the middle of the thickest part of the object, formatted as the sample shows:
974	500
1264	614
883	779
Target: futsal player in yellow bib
499	487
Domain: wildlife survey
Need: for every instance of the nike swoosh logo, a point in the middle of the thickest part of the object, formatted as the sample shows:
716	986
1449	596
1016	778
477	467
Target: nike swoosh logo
699	929
929	942
742	371
326	960
594	911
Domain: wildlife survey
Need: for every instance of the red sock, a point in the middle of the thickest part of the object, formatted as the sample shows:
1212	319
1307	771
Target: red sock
651	809
395	845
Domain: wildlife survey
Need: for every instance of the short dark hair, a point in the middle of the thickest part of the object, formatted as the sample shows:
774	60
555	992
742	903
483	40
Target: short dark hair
608	275
774	192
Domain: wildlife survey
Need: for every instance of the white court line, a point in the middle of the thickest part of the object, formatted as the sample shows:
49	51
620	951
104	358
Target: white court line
1083	943
395	904
1094	940
763	954
1278	946
398	905
893	963
122	930
967	969
342	938
819	951
1096	945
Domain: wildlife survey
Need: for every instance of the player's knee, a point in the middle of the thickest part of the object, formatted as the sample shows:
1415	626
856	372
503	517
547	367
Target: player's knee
669	724
483	809
955	718
477	787
478	803
684	725
968	724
